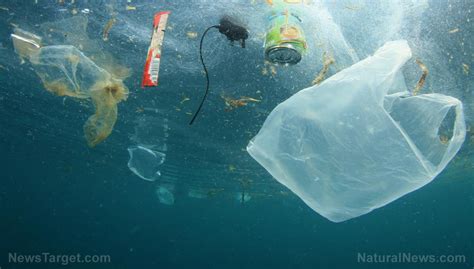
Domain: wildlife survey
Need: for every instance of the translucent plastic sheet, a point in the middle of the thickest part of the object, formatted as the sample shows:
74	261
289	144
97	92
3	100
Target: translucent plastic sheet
355	142
151	131
150	136
242	197
25	43
105	97
145	162
65	71
198	193
73	31
165	194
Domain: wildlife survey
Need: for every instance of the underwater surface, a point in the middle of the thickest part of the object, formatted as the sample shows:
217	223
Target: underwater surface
141	186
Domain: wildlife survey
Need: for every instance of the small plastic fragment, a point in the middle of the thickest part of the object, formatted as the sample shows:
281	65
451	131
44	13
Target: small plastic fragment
353	7
328	61
235	103
243	197
465	69
191	35
422	79
165	194
107	27
198	193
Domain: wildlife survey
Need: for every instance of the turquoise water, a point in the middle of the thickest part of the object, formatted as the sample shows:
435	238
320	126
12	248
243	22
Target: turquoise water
62	197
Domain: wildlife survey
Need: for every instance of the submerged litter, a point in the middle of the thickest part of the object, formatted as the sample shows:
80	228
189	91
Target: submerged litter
234	32
359	140
455	30
145	162
243	197
25	43
285	40
152	63
192	35
165	194
66	71
151	132
198	193
235	103
328	61
107	27
465	69
422	79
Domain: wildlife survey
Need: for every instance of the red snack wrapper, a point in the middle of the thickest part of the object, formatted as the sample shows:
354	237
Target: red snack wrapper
152	64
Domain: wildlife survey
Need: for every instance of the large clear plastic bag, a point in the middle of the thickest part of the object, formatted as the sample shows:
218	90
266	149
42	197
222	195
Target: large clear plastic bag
359	140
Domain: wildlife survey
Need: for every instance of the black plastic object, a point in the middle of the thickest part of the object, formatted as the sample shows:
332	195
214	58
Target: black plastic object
233	32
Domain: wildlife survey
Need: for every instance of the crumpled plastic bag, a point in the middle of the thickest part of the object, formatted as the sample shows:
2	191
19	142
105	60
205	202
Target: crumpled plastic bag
66	71
359	140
